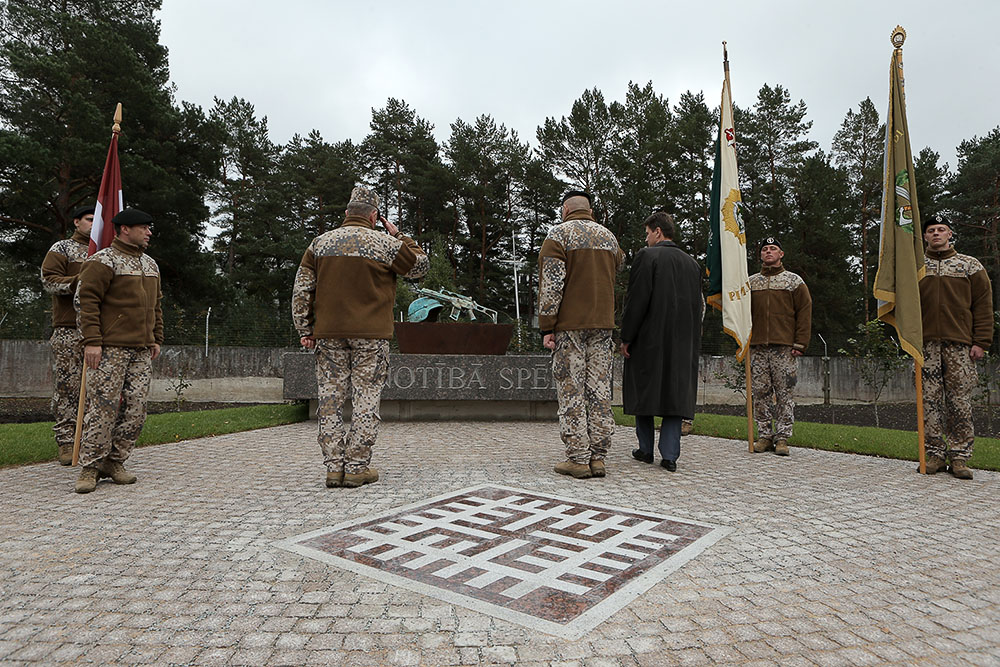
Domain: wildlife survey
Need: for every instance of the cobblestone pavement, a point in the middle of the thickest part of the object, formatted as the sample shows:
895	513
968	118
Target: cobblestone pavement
834	559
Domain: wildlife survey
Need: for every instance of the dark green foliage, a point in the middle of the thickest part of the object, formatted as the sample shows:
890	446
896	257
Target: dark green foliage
234	212
64	67
974	203
859	148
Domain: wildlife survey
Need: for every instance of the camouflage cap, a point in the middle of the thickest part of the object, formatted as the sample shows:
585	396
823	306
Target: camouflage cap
362	194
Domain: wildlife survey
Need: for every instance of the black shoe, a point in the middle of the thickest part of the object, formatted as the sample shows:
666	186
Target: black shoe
639	456
669	465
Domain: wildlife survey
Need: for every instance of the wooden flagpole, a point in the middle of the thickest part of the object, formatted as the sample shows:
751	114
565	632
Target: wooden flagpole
918	377
746	362
79	414
116	128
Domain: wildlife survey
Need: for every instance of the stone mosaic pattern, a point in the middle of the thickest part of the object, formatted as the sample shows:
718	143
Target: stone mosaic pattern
835	559
543	561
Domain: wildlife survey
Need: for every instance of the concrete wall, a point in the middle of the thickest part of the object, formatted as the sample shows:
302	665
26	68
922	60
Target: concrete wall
248	374
229	374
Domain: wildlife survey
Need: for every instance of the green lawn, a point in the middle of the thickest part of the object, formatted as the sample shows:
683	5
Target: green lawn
836	438
29	443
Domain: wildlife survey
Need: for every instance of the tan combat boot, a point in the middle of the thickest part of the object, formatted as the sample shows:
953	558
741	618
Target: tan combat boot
356	479
578	470
87	481
960	470
763	445
116	471
934	464
781	448
597	468
65	455
334	479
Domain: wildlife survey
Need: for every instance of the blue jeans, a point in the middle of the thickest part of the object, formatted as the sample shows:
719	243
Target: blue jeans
670	436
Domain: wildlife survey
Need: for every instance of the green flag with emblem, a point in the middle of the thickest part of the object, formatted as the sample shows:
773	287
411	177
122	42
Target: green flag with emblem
901	247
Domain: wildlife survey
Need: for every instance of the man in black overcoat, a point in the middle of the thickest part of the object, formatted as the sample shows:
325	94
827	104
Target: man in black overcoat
661	340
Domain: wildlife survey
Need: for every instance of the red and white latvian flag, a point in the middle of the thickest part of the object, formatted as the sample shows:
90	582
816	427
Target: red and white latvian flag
109	201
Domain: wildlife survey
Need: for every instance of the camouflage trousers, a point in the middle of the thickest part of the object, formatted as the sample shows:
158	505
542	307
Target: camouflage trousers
359	366
67	365
773	376
116	404
581	369
949	376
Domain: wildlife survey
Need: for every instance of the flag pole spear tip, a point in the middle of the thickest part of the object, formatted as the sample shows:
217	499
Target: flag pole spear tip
116	128
898	37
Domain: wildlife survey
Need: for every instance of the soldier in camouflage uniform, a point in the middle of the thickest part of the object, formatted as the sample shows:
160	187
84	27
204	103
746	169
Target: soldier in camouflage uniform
956	301
781	308
59	276
119	316
342	302
577	266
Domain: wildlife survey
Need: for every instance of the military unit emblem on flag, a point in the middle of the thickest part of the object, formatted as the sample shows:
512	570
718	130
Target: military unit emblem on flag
904	212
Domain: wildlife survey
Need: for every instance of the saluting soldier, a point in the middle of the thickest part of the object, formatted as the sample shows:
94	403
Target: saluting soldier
119	315
60	271
956	303
342	301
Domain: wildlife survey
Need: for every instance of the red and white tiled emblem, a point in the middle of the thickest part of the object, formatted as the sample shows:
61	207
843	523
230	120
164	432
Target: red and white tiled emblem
547	562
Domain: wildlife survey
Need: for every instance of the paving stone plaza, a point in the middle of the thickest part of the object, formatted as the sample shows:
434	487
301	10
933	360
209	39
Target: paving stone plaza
470	550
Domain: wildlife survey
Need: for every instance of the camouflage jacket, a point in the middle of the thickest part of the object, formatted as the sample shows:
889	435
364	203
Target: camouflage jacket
956	299
781	308
576	282
345	286
118	298
60	271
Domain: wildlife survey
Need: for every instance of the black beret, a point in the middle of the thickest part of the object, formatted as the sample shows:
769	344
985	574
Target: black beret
936	220
82	211
131	217
577	193
770	240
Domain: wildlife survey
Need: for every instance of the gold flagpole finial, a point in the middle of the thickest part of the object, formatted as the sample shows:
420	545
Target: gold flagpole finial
117	128
898	37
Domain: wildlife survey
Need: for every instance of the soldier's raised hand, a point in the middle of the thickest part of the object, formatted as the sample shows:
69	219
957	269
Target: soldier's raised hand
389	227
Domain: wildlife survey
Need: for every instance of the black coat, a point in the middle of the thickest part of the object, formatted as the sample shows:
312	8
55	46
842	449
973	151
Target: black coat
662	325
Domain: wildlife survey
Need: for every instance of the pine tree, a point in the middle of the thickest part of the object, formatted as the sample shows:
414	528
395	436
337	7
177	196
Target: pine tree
975	198
64	67
772	147
859	147
488	161
577	148
694	132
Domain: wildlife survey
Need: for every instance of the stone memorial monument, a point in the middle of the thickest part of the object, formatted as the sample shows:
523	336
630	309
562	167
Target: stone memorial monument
448	370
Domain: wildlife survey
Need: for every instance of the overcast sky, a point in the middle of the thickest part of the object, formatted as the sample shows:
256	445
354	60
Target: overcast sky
310	64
